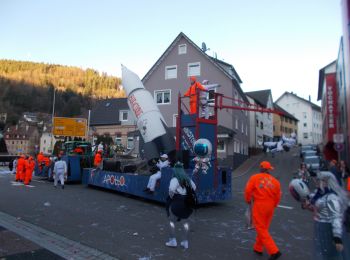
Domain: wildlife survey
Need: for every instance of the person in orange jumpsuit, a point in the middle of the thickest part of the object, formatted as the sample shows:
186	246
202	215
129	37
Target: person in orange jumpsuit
98	159
264	191
39	159
20	168
29	168
192	93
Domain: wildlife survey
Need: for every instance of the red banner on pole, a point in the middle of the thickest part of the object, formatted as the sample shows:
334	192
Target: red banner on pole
331	105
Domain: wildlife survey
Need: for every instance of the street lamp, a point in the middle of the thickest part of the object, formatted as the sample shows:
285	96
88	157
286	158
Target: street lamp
52	118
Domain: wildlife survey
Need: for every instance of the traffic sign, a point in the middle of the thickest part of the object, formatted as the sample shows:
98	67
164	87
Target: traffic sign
338	147
338	138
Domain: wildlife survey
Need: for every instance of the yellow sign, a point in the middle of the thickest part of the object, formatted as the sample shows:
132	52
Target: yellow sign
65	126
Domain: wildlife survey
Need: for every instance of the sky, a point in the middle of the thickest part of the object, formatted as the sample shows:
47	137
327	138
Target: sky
273	44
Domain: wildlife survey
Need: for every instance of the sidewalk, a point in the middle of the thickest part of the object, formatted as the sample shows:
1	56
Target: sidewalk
22	240
13	246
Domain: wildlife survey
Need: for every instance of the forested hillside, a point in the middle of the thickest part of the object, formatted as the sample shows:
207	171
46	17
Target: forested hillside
29	86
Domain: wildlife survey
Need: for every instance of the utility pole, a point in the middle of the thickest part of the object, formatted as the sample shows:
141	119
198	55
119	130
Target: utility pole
52	117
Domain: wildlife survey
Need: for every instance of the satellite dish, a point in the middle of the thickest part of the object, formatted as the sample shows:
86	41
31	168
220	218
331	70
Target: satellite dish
204	47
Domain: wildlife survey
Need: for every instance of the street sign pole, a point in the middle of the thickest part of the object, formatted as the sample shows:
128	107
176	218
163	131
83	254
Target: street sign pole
338	140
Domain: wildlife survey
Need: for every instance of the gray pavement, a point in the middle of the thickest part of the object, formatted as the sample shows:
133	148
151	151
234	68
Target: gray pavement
126	227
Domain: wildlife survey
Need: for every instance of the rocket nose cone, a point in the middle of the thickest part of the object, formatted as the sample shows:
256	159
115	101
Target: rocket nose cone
130	80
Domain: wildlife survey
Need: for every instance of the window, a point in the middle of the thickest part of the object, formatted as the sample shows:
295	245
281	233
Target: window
242	128
162	96
194	69
235	146
130	143
305	124
182	49
261	125
305	135
221	145
171	72
236	123
118	139
123	115
304	114
257	123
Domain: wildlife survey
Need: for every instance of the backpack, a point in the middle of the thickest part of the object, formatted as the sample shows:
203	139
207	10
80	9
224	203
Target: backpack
191	197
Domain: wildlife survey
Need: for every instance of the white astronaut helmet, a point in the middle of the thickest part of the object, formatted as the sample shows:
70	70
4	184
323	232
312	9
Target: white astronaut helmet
298	189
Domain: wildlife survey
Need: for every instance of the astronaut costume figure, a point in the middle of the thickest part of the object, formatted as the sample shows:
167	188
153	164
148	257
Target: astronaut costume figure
163	162
202	148
328	203
60	172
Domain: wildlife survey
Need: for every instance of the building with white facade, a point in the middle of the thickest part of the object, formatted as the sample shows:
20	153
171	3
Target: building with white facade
308	114
47	141
261	124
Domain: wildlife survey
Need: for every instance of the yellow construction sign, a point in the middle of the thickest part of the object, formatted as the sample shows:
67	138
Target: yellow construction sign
65	126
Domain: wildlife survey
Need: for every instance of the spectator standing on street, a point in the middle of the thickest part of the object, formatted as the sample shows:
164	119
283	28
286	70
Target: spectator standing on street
345	172
335	169
304	174
264	191
178	207
11	165
14	165
60	172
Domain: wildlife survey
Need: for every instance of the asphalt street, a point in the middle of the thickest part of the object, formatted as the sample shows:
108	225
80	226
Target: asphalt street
131	228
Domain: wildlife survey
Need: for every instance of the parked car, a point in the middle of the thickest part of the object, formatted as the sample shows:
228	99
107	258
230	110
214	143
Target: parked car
305	148
309	153
312	162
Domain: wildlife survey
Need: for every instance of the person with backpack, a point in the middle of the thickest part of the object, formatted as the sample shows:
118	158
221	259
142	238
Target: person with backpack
180	204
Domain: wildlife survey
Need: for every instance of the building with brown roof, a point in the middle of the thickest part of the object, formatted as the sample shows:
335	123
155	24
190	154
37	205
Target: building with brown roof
21	139
284	123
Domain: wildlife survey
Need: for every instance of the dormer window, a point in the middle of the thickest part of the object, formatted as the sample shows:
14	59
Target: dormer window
182	49
123	115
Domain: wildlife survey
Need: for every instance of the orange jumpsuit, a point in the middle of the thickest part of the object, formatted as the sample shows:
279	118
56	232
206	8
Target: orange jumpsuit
39	158
29	168
46	161
97	159
20	169
265	192
192	93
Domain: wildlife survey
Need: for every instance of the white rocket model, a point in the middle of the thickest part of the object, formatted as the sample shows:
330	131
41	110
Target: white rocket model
150	122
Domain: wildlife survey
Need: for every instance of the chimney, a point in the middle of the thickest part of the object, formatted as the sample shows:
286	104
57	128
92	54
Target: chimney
309	98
